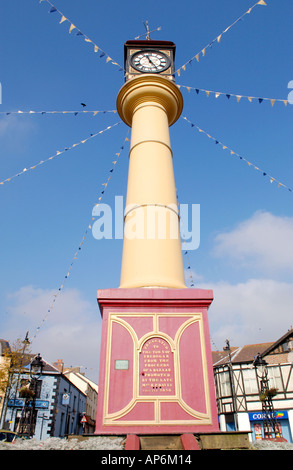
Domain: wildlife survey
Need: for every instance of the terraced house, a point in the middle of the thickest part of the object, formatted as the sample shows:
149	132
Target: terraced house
54	409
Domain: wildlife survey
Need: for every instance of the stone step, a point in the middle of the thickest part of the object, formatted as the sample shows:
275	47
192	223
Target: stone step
188	441
168	442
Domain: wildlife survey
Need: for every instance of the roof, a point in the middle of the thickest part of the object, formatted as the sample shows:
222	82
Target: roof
149	42
47	366
287	336
220	357
246	354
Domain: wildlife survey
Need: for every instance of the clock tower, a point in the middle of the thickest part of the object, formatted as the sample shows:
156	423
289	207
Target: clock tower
156	373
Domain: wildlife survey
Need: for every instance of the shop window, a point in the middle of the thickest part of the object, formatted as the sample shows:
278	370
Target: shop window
257	431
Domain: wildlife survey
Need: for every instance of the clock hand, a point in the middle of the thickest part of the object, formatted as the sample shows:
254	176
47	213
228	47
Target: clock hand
151	61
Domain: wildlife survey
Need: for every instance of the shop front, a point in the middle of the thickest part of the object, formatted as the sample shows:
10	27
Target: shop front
260	431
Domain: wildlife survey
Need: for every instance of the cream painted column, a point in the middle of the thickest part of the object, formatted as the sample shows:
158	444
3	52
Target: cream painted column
152	255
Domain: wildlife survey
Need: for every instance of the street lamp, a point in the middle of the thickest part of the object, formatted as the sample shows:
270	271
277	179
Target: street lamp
36	367
27	423
36	370
260	364
270	423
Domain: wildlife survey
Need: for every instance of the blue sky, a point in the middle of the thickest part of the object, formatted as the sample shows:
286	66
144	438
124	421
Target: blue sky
246	227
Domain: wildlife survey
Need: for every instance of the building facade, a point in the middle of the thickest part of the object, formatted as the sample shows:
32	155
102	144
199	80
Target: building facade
91	391
56	410
239	393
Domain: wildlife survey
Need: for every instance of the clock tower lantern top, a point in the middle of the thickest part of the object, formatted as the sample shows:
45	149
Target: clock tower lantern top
149	56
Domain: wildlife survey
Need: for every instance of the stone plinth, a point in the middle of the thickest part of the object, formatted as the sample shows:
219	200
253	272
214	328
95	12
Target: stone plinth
156	373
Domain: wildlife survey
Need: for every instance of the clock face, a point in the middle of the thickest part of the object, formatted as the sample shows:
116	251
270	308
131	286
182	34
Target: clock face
150	61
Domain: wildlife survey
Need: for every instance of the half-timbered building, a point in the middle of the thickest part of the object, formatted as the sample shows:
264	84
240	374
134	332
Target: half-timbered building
239	391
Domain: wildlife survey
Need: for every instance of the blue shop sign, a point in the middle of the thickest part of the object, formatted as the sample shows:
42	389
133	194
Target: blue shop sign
258	416
19	403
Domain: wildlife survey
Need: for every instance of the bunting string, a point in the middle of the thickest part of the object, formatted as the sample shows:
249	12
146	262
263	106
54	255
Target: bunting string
186	252
78	32
58	153
81	244
83	111
217	39
229	95
235	154
191	281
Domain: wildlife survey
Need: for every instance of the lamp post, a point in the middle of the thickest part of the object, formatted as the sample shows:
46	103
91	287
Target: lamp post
270	424
27	424
36	370
231	379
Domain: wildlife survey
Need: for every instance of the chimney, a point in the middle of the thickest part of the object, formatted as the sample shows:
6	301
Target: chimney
59	364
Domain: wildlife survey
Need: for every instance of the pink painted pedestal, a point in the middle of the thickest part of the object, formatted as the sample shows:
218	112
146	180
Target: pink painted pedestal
156	373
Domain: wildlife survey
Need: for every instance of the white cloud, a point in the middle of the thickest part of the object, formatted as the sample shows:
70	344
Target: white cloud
263	242
69	331
255	311
15	132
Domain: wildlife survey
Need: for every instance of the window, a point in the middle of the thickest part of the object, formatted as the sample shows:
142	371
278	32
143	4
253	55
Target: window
288	346
274	377
225	384
24	383
250	384
62	421
38	388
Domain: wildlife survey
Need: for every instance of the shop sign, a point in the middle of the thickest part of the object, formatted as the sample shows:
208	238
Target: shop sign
19	403
258	415
65	398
